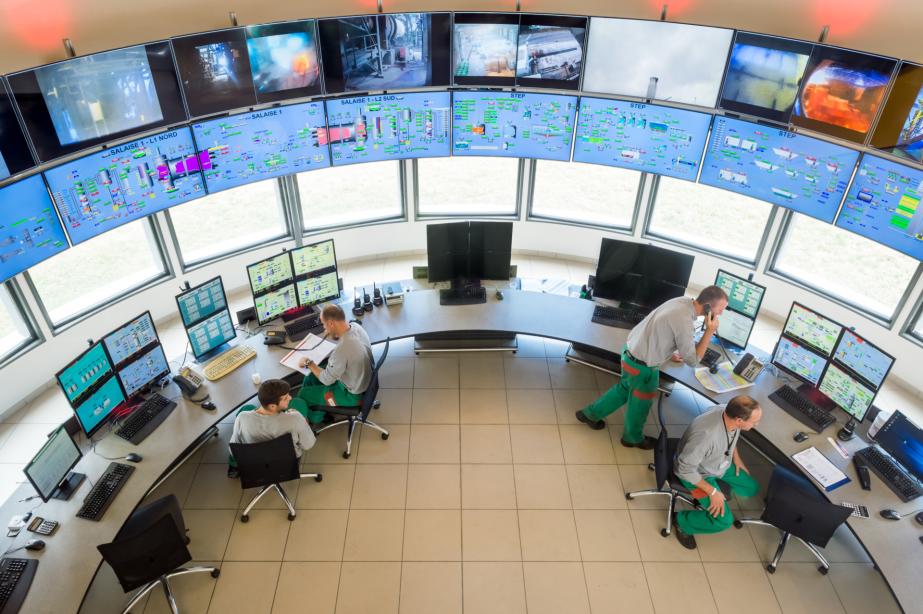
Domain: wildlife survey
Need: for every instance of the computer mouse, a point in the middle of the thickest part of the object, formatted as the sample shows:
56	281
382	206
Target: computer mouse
207	405
800	437
713	368
890	514
131	457
499	295
35	544
919	517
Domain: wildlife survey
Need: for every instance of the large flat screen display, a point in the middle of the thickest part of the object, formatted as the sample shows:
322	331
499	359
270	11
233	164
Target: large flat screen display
884	205
484	47
388	127
385	52
284	60
818	332
550	52
656	59
15	156
642	137
900	127
99	98
215	71
29	227
794	171
122	184
261	145
513	124
863	358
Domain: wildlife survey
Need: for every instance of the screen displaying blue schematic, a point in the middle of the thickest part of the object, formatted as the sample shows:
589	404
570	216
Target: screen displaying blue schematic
799	360
83	373
846	391
148	368
30	231
744	296
513	124
275	302
642	137
250	147
322	288
104	190
125	342
863	358
269	273
884	205
201	301
812	328
315	258
388	127
92	412
797	172
211	332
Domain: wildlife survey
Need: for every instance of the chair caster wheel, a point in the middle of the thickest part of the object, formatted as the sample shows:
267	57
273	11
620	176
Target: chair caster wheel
291	516
346	454
216	572
664	533
771	568
319	477
628	497
651	467
385	436
376	405
738	524
823	570
244	518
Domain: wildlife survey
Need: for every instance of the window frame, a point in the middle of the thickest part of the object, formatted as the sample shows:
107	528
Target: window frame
36	336
516	215
916	317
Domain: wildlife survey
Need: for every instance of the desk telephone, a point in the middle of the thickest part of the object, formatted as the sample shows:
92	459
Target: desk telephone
188	381
749	367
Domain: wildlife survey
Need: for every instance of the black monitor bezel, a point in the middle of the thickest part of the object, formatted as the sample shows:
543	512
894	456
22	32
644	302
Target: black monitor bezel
804	346
288	27
25	469
903	94
640	247
747	281
136	355
156	378
849	374
290	281
14	147
302	277
546	19
898	415
865	382
800	341
486	19
91	389
194	289
227	311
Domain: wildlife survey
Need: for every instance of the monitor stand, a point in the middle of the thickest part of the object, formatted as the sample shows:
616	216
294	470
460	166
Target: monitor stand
207	356
68	486
848	431
463	292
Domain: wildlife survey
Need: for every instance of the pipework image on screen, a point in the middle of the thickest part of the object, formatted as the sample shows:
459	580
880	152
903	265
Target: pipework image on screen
550	52
485	50
385	51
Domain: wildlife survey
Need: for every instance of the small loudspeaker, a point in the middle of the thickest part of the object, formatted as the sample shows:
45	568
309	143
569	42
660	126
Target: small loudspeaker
246	315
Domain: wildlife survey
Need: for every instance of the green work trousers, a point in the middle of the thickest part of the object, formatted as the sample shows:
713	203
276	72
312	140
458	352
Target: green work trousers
313	392
297	404
637	387
700	521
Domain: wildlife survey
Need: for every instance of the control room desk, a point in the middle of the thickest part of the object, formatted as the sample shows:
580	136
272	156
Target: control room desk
70	561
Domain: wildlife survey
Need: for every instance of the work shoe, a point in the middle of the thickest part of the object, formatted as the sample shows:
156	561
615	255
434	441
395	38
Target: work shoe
233	473
685	539
598	425
648	443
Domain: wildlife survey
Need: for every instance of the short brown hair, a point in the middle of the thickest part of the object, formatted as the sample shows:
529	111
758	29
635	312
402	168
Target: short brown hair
333	312
741	407
711	295
271	392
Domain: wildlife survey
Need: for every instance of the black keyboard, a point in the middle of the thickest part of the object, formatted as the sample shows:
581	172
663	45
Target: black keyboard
105	490
299	329
15	578
711	357
802	409
902	483
146	418
463	296
618	317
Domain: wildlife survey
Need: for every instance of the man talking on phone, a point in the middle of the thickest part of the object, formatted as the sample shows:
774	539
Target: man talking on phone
667	332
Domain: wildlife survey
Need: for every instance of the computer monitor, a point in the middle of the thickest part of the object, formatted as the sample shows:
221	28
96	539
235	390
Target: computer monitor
798	360
849	394
15	156
30	226
899	129
84	372
272	283
93	412
214	70
147	369
744	296
469	250
130	340
314	259
640	274
735	328
199	302
284	60
863	359
318	289
210	334
49	471
550	51
811	328
484	48
903	440
273	303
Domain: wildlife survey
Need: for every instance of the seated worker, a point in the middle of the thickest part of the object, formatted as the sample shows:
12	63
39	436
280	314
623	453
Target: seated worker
705	455
277	414
349	367
667	331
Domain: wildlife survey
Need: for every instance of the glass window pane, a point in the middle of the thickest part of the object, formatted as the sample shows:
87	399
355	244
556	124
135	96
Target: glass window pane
228	221
14	330
917	330
712	219
104	267
353	194
587	193
467	186
837	262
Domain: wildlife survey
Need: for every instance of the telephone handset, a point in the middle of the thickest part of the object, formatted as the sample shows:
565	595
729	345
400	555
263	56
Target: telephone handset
706	309
188	381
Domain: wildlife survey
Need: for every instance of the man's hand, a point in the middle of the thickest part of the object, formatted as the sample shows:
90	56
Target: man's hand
739	466
306	363
711	323
716	503
676	357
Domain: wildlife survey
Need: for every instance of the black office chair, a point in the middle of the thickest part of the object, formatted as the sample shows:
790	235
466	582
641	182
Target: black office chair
795	507
358	414
149	513
266	465
151	558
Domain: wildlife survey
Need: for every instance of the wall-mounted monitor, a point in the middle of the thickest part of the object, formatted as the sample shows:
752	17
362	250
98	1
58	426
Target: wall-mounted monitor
284	61
385	52
259	145
656	59
215	71
791	170
15	156
884	205
513	124
642	137
30	230
99	98
484	48
121	184
550	51
388	127
900	125
811	328
841	92
764	75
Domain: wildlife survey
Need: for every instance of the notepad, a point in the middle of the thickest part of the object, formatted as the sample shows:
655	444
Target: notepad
820	468
310	347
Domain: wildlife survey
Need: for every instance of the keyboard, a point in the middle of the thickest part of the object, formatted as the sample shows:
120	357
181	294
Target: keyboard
299	329
618	317
15	578
144	419
463	296
711	357
902	483
224	363
802	409
105	490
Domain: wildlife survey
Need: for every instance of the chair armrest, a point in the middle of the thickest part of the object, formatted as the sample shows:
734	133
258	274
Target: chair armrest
339	410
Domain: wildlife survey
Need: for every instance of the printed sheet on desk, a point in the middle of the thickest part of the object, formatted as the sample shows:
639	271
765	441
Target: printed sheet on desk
725	380
312	347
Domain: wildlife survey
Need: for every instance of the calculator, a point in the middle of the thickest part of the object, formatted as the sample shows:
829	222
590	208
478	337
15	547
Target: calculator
859	511
42	527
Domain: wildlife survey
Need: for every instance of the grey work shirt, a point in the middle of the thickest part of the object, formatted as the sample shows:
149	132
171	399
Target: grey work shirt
707	447
667	329
253	427
351	361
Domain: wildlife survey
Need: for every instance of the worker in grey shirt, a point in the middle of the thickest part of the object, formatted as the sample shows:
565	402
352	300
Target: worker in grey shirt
708	453
349	367
666	332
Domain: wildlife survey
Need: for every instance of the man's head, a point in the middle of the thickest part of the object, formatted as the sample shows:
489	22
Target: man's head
743	412
334	320
714	297
274	395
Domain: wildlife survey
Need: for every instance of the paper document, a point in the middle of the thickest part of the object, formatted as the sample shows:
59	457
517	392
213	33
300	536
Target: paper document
310	347
725	380
820	468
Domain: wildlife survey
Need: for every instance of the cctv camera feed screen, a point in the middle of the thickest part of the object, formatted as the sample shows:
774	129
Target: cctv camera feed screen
656	60
642	137
215	71
15	156
550	51
797	172
764	74
900	127
284	61
513	124
86	101
388	127
122	184
385	52
484	47
250	147
29	227
884	205
841	92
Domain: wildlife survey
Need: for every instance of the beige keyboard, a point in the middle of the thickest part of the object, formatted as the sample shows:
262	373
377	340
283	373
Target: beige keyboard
224	363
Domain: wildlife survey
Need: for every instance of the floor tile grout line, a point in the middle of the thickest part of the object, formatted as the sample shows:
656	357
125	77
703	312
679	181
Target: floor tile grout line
352	485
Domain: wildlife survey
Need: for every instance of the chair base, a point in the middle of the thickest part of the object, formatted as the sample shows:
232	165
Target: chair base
245	516
164	582
671	506
824	566
352	423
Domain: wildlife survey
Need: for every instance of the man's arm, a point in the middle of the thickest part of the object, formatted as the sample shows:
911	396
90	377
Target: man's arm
739	464
303	434
711	325
685	348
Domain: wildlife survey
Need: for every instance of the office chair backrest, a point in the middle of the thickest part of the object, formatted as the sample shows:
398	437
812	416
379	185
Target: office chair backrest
371	392
144	557
150	513
266	462
794	505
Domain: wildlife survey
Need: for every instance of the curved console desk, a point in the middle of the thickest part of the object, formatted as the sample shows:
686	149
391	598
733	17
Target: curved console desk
69	563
